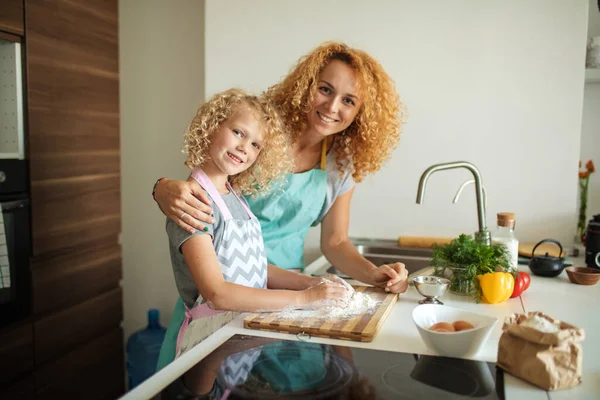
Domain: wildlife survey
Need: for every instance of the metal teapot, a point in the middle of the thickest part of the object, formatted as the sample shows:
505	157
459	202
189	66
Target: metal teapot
547	265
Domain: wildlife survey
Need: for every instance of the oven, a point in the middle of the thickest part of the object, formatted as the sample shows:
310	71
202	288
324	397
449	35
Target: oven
15	250
15	216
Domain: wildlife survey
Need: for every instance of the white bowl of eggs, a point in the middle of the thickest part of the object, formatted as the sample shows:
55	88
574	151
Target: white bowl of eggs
452	332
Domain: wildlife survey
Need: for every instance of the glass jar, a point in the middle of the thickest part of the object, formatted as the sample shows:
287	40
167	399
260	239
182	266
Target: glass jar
505	235
459	283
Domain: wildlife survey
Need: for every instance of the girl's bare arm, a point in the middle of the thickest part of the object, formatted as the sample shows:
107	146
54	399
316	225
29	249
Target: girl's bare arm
280	278
202	261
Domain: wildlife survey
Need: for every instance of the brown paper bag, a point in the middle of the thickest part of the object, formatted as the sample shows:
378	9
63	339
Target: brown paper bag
541	350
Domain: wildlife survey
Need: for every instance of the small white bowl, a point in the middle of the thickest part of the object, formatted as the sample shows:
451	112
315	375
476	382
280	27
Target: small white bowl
452	344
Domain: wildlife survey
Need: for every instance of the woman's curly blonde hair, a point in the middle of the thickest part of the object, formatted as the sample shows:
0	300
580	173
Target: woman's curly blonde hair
375	131
273	160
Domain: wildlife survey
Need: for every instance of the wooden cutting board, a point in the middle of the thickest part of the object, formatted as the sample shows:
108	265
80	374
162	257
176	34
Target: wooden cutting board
361	328
525	249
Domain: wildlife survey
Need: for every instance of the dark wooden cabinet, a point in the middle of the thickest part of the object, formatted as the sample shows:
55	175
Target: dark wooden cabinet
72	346
61	332
73	76
66	280
94	371
22	389
11	16
16	351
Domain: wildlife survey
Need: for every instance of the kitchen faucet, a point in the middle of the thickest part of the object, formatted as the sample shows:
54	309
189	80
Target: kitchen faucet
483	232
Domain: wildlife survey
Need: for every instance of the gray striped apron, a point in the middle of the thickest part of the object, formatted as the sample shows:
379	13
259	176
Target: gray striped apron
243	261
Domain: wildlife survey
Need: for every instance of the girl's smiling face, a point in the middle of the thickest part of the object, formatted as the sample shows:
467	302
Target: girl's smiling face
336	101
236	144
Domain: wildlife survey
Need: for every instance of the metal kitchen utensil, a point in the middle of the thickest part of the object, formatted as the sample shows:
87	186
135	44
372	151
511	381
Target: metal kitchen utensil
431	287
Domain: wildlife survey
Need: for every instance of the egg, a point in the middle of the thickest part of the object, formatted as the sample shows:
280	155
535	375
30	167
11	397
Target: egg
442	327
462	326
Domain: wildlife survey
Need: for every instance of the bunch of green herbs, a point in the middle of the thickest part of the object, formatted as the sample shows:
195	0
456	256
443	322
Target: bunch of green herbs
466	257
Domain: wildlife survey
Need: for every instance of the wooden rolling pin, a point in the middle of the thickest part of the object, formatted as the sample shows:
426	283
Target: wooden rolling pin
525	249
421	241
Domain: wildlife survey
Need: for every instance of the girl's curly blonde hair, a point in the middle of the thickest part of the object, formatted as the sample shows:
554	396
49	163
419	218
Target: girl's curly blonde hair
375	131
273	160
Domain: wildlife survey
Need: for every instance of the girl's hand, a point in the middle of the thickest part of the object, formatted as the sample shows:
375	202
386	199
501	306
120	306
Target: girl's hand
392	277
336	279
185	203
326	293
331	277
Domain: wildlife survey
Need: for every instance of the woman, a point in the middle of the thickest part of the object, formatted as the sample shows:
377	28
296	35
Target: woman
344	117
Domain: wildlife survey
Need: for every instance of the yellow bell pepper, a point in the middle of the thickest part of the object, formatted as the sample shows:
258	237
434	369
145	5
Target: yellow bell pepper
496	286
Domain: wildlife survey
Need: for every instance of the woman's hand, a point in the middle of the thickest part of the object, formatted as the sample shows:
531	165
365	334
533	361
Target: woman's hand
392	277
185	203
325	293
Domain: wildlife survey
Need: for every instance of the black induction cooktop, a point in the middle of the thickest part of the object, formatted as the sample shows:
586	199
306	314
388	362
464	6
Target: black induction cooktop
251	367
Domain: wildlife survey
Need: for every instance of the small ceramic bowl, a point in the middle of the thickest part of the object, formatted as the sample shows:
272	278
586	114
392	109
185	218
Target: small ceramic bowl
583	275
452	344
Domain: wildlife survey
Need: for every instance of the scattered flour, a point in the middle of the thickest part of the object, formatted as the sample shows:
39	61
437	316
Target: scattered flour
358	304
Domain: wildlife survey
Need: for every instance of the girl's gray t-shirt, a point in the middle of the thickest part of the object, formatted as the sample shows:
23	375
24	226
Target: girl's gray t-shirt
177	236
337	184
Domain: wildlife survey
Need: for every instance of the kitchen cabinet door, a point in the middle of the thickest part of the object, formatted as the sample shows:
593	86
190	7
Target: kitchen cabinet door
74	159
11	16
93	371
73	132
66	280
16	351
22	389
60	332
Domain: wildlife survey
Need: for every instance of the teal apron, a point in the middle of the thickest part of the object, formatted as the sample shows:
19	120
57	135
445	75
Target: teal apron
285	217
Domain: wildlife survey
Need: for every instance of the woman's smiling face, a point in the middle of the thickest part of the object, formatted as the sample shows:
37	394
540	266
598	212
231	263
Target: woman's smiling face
336	101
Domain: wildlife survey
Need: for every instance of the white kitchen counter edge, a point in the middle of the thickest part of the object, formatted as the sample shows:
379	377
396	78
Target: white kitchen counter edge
388	338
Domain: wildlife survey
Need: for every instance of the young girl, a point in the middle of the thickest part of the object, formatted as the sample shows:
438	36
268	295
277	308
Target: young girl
236	142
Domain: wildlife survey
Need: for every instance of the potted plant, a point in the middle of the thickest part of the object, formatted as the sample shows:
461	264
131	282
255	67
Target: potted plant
464	258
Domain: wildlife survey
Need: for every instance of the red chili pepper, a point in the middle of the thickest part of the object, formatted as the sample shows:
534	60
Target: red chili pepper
521	284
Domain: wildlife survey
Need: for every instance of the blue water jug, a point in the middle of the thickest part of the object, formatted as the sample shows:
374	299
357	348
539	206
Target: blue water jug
143	348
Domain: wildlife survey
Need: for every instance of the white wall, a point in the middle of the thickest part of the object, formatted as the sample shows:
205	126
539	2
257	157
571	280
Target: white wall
162	83
590	127
499	84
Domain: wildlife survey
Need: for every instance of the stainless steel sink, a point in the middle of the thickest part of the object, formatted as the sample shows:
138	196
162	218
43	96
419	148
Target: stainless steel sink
383	251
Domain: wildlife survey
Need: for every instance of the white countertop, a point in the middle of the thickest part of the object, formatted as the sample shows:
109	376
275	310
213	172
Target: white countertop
556	297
